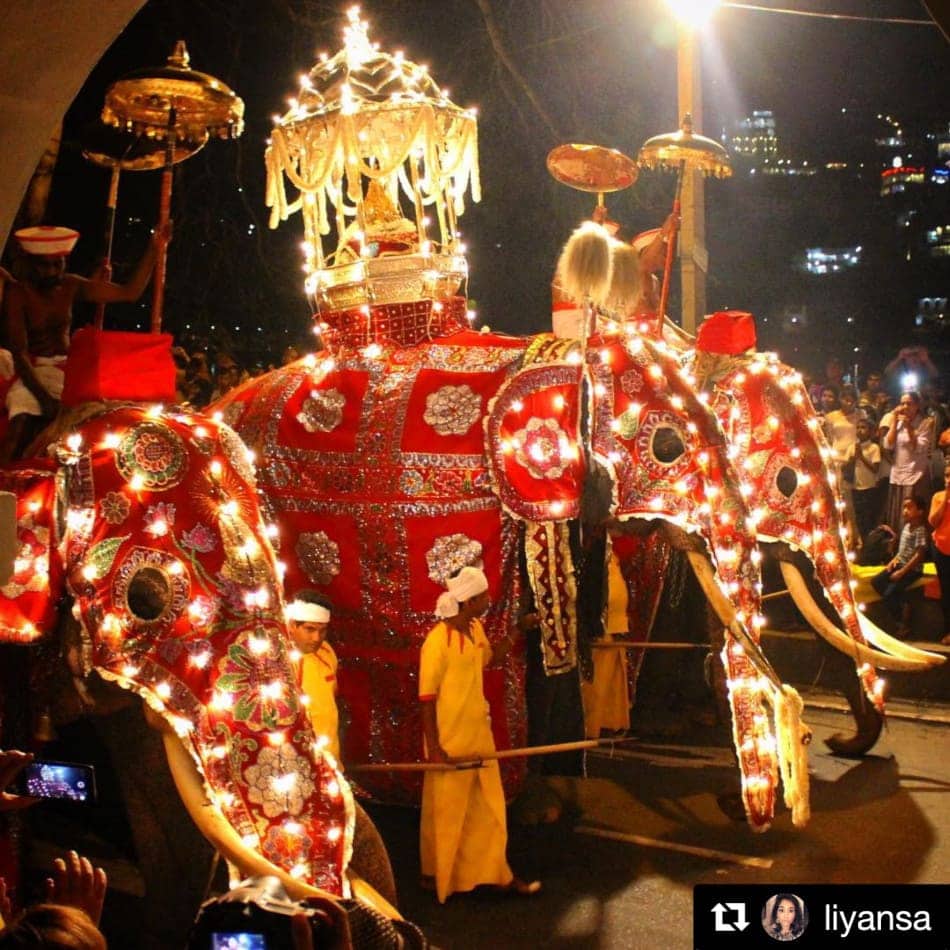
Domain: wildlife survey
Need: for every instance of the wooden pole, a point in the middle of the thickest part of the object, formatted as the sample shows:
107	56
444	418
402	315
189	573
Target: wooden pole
671	252
108	228
634	645
475	763
692	849
164	212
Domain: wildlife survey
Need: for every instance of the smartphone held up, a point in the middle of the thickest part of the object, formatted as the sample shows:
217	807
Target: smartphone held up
65	781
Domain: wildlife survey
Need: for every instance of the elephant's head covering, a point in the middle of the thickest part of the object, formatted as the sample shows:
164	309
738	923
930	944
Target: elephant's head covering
178	593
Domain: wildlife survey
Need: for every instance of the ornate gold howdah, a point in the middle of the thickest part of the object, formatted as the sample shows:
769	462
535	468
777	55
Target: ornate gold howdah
365	129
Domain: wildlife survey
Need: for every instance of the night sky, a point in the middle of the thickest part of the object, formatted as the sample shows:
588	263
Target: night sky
602	72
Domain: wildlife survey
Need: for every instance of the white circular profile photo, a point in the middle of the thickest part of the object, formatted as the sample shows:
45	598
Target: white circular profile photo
784	917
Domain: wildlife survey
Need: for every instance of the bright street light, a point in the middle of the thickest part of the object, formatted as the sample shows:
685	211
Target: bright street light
692	13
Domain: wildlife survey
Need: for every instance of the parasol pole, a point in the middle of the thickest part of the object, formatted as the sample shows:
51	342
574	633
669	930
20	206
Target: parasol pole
164	212
105	269
671	246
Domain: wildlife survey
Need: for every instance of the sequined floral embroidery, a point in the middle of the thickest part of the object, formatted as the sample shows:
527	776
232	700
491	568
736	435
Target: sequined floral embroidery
200	538
450	554
31	565
453	410
543	448
249	677
154	454
322	411
237	453
319	556
114	507
281	781
285	847
631	382
158	519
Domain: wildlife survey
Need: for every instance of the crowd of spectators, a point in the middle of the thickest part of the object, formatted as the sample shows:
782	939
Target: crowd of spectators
890	442
205	374
887	436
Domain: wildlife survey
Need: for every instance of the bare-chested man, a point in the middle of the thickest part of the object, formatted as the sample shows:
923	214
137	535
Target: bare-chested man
38	312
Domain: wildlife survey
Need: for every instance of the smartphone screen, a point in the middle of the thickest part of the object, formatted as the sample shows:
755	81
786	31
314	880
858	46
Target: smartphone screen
243	941
61	780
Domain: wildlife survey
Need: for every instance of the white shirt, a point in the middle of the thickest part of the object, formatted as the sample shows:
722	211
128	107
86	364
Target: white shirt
863	477
841	430
911	459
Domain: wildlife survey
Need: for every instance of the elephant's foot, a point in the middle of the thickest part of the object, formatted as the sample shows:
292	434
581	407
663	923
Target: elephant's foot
537	804
730	804
870	722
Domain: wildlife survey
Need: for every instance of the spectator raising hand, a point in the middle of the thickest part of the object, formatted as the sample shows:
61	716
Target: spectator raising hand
77	883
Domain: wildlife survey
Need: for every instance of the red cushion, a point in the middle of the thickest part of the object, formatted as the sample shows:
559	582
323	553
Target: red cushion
727	331
111	364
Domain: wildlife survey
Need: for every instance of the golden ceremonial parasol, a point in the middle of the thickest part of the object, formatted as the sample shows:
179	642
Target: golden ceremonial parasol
172	104
119	151
592	168
682	150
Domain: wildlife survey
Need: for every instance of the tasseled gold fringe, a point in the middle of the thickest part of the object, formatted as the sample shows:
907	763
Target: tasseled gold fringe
792	739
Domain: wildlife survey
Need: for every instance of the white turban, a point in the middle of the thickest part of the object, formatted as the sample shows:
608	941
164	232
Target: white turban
302	612
468	583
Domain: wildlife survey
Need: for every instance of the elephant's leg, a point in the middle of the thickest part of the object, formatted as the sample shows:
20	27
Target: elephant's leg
174	858
555	714
370	859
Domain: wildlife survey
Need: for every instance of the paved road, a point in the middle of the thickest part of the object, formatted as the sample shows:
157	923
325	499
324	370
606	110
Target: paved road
884	819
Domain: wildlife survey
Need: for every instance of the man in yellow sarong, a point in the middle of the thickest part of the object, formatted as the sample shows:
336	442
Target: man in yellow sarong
308	617
464	832
607	697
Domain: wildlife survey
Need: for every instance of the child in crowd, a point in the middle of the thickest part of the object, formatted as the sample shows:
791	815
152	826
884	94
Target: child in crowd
907	565
865	454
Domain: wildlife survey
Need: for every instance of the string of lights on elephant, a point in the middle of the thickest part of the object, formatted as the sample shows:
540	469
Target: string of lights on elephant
158	532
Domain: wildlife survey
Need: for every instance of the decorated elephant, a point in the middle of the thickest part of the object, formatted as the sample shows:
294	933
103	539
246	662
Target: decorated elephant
149	521
388	468
777	445
795	505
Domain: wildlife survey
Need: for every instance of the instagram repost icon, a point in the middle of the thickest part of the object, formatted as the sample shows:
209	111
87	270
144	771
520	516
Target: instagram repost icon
784	917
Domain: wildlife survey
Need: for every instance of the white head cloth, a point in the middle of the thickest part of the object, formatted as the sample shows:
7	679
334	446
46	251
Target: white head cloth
468	583
302	612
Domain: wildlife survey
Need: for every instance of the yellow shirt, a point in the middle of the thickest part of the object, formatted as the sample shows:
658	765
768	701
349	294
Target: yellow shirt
450	671
318	680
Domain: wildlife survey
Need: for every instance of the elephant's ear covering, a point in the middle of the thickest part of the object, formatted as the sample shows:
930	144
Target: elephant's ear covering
532	443
28	600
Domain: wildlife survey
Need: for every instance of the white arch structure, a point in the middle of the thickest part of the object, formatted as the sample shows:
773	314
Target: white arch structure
47	49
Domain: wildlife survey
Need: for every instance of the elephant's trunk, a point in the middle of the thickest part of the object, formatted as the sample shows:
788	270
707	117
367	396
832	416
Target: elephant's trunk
762	750
216	828
899	655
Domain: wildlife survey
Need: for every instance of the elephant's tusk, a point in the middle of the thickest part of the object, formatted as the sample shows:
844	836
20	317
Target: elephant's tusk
216	828
884	641
726	613
839	640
